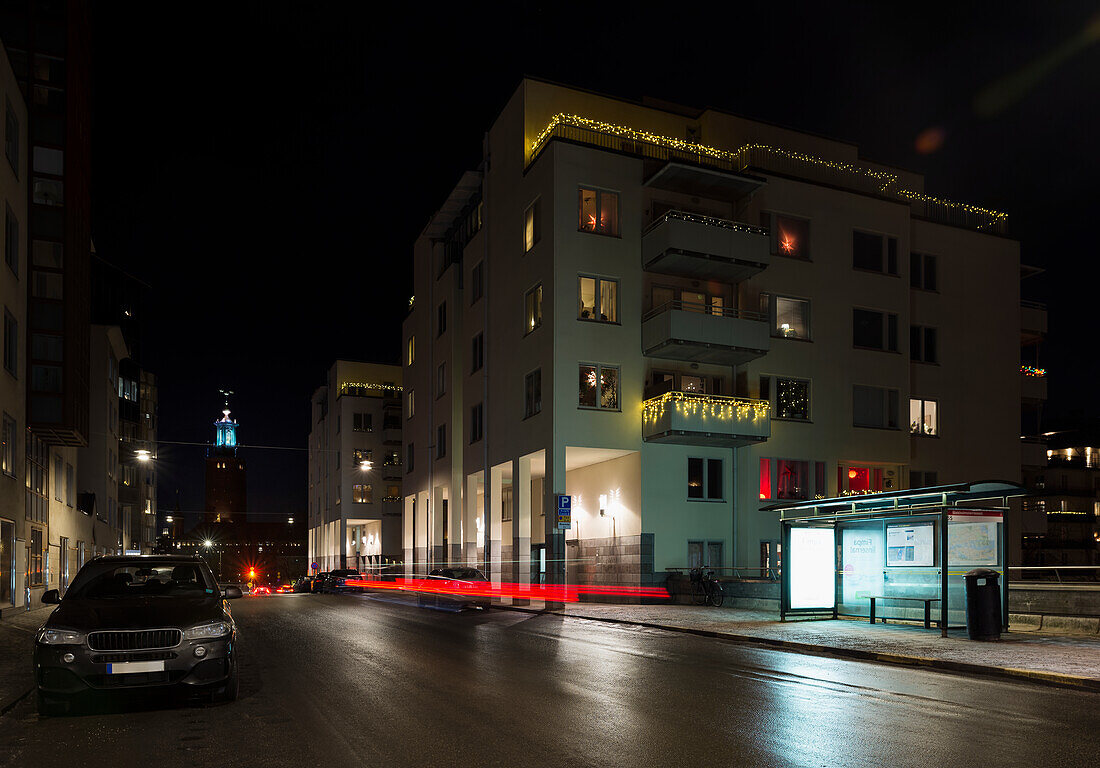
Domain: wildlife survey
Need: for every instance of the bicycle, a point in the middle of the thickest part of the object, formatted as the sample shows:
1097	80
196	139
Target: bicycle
705	589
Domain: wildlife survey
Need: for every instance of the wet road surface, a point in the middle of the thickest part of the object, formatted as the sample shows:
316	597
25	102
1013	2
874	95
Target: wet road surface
330	680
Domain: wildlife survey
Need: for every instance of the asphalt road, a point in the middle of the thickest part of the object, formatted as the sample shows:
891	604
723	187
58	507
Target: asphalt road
347	681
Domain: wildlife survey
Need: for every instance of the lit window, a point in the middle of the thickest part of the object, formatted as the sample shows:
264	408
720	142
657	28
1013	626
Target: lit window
412	350
533	309
598	387
765	479
789	317
599	212
792	399
412	403
531	226
923	417
790	236
792	479
598	299
362	494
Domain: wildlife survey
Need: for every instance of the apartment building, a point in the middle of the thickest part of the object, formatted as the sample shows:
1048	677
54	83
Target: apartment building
355	463
676	317
13	379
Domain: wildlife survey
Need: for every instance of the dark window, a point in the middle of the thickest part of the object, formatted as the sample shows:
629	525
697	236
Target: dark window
922	271
476	422
441	319
599	211
11	240
441	441
765	388
867	251
441	380
361	422
874	407
11	343
705	479
476	282
34	567
874	330
532	393
410	452
790	236
922	344
477	352
11	137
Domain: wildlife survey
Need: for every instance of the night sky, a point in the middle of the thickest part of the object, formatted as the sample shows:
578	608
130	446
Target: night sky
267	166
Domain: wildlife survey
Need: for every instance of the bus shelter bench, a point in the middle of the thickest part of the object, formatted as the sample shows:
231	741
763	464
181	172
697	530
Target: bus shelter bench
927	607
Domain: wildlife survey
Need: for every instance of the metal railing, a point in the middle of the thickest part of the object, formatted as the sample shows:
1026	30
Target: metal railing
736	571
844	175
704	309
709	221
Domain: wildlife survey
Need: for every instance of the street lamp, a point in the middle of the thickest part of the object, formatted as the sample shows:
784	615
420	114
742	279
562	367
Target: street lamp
143	455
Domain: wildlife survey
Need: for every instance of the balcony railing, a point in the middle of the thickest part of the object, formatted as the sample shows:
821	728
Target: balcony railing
709	221
704	247
845	175
679	330
690	418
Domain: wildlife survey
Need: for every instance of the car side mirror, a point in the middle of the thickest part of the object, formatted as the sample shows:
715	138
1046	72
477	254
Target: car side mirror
51	597
231	593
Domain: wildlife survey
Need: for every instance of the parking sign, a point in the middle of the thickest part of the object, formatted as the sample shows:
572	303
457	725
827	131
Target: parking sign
565	512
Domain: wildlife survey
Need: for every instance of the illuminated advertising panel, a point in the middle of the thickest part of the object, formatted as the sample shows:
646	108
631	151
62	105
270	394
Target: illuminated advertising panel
910	544
812	564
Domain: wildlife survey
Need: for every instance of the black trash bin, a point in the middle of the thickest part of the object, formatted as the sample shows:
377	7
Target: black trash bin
983	604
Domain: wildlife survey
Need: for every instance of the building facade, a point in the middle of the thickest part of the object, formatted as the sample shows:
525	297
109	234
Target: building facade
355	467
676	317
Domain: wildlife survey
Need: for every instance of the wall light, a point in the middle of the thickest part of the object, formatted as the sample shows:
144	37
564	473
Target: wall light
603	505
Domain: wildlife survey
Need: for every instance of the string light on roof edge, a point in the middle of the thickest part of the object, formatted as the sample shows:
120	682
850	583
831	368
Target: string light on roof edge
886	181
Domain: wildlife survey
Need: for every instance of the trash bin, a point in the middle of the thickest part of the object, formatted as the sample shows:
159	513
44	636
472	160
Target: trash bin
983	604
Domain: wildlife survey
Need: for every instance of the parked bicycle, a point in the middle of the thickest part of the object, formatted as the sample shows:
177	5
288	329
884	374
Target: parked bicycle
705	589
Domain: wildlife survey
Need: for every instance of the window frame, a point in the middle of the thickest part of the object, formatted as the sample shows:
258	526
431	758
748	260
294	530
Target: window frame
599	192
919	431
599	280
918	353
11	233
885	413
770	218
769	306
918	271
889	343
477	352
532	304
599	369
441	380
477	284
774	398
532	396
441	441
441	319
888	253
12	129
532	220
11	343
705	491
477	422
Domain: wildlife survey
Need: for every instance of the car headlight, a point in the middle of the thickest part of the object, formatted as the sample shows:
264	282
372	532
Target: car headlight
60	637
207	631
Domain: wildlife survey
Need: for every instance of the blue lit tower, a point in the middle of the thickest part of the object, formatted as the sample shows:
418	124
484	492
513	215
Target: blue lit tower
225	473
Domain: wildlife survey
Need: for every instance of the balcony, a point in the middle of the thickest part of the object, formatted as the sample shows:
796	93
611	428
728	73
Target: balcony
687	418
680	330
1033	321
1033	384
1033	452
704	248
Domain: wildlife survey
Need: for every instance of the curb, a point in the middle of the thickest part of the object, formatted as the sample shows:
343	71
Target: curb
8	706
1009	673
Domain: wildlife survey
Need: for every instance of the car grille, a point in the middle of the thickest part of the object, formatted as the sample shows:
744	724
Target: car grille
115	658
134	640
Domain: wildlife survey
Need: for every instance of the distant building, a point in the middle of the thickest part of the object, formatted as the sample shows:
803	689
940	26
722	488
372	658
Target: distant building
226	496
355	467
676	317
1064	511
265	552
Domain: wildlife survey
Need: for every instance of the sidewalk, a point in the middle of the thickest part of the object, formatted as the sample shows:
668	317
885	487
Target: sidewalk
1061	659
16	644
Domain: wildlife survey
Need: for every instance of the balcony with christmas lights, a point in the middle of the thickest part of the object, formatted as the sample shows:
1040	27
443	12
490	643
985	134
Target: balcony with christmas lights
704	247
691	418
682	330
1033	384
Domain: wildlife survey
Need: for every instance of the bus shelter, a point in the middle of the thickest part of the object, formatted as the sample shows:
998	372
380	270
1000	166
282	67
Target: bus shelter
909	550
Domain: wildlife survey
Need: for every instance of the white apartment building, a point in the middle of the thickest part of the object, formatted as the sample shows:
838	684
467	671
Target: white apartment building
677	317
355	467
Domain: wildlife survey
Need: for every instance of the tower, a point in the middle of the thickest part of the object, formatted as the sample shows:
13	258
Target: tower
225	472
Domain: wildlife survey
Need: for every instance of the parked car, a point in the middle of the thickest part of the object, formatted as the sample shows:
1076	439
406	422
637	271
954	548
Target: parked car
464	588
304	584
260	589
336	580
318	582
136	622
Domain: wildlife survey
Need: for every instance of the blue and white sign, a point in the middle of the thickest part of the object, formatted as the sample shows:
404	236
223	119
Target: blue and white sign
565	512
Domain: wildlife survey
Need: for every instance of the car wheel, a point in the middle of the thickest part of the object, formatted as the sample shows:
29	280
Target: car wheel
232	687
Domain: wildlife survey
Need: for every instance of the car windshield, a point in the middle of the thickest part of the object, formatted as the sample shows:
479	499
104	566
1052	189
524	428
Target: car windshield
132	580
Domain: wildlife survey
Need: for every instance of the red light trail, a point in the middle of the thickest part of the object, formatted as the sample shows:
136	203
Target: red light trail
561	593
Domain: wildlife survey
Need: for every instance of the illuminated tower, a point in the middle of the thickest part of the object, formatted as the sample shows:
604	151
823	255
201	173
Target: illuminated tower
225	473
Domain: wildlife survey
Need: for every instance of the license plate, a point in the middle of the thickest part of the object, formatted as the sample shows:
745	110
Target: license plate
129	667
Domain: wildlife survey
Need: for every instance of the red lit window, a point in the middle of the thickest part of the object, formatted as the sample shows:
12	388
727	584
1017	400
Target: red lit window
765	479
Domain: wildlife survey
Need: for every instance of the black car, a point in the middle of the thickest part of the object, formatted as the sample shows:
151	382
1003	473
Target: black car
304	584
136	622
458	588
337	580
